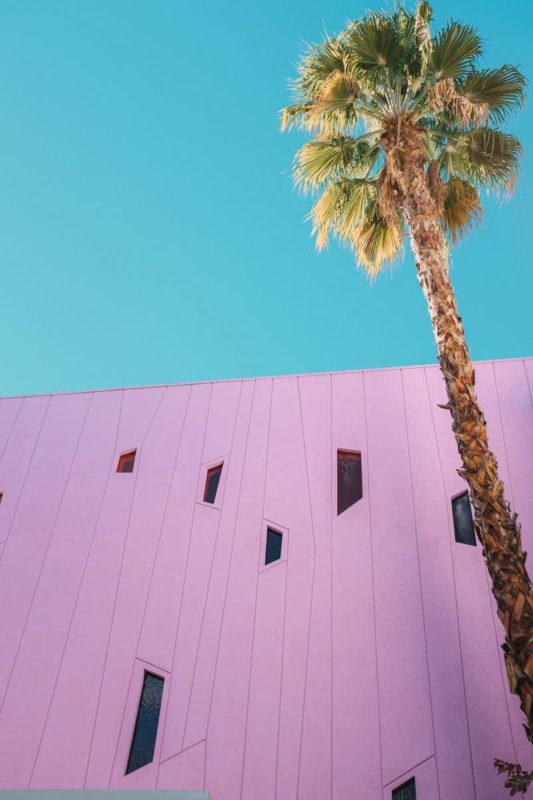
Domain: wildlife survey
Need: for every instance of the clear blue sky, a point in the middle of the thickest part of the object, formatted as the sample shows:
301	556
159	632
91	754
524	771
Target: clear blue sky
149	232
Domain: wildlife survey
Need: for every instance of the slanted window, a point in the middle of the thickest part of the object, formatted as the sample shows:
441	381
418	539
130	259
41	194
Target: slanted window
407	791
126	461
211	483
273	546
145	732
463	524
349	479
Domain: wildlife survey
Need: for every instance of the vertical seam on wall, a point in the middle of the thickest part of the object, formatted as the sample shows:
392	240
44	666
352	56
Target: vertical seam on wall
311	599
527	380
39	574
215	668
332	451
415	525
163	520
373	587
117	590
206	596
80	584
467	715
12	428
191	528
257	590
30	461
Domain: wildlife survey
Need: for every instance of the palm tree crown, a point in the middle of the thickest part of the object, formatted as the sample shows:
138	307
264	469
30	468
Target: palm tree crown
356	90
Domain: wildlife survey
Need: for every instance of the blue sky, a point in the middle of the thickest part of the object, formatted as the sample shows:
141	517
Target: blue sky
149	232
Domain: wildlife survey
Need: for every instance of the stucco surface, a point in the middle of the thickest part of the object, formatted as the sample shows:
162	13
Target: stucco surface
369	653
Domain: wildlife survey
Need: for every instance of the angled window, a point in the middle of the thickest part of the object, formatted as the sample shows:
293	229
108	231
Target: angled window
126	461
145	731
349	479
463	524
407	791
211	483
274	541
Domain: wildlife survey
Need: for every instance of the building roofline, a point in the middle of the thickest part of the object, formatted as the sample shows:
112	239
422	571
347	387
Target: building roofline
254	378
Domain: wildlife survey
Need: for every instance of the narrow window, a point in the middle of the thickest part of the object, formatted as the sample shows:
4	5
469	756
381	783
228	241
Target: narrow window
273	546
1	496
462	520
407	791
126	461
145	732
349	479
211	483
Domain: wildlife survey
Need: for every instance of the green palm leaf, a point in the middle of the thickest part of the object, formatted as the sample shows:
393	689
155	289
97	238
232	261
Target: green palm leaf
502	90
462	208
485	157
377	242
454	51
374	43
325	159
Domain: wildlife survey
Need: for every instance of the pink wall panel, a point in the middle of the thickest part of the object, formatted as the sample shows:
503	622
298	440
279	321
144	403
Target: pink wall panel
185	770
158	634
62	757
404	702
370	653
32	681
200	696
287	504
452	739
262	722
217	444
156	458
33	525
9	411
355	722
229	702
16	457
315	758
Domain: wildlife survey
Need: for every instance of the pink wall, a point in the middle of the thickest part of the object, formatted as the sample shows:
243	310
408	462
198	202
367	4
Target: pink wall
369	653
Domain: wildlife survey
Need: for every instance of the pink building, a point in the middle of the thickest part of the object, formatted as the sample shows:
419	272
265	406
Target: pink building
200	590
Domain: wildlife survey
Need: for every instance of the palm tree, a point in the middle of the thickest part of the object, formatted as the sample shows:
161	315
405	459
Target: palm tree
405	134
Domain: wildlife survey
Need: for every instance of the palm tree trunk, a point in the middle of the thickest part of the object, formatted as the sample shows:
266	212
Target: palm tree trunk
496	525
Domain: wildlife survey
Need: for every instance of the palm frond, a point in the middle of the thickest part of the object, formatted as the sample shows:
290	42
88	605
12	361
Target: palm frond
316	67
358	195
322	160
373	44
325	214
296	116
340	208
377	242
454	51
484	157
462	208
501	90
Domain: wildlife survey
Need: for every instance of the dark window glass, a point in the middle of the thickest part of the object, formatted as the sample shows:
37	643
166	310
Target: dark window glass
145	733
349	479
211	483
273	548
1	496
407	791
462	520
126	462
